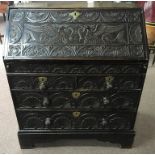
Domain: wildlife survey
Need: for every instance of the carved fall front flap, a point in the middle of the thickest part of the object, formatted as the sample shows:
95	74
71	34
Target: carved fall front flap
76	33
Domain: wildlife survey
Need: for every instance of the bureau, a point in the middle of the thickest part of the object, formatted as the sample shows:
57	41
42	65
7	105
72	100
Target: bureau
76	73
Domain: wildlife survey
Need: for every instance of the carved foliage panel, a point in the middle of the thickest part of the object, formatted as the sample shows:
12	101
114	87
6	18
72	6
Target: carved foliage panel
62	120
79	51
107	33
29	34
132	51
75	34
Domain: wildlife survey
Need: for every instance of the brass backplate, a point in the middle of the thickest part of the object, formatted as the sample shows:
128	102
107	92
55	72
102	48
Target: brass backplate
109	78
76	95
42	79
76	114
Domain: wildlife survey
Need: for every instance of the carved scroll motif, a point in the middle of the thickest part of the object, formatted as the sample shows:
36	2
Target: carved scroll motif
30	100
14	50
33	121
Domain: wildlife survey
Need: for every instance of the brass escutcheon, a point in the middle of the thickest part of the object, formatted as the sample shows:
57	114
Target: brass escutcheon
109	79
76	114
75	14
76	95
42	79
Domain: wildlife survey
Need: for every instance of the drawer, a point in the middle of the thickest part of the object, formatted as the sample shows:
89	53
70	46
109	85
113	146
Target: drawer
70	67
79	83
77	100
74	120
108	100
42	82
109	82
54	100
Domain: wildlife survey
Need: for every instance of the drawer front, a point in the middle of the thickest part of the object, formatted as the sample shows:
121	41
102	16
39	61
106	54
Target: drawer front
109	82
79	83
77	100
74	120
42	82
73	67
54	100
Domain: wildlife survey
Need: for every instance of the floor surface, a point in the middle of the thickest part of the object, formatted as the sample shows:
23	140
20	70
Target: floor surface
145	124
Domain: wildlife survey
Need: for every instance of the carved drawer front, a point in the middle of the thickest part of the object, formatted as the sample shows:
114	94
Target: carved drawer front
80	83
108	100
42	82
78	100
109	82
106	121
72	67
55	100
74	120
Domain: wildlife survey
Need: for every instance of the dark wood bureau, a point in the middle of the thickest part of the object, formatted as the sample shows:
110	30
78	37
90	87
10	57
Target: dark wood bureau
76	73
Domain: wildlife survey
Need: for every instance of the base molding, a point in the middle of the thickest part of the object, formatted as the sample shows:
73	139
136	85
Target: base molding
28	139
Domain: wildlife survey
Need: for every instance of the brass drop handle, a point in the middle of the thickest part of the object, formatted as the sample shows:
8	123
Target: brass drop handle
45	101
76	95
103	122
76	114
41	86
108	81
47	121
42	82
105	100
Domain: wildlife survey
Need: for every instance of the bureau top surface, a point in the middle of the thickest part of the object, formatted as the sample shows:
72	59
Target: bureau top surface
77	33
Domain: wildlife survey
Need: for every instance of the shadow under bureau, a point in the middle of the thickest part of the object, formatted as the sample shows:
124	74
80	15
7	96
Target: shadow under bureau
76	73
